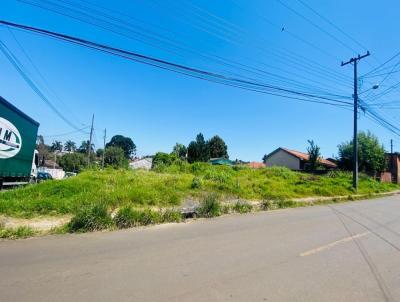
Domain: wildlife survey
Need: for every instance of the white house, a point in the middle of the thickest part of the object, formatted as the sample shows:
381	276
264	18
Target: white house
143	163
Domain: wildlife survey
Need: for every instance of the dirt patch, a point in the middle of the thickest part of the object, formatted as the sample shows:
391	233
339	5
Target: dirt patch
38	223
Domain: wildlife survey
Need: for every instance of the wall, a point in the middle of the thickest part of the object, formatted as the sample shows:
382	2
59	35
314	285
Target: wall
283	159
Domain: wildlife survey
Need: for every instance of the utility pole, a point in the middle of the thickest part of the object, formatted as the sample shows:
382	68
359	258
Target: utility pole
391	146
104	148
90	142
354	61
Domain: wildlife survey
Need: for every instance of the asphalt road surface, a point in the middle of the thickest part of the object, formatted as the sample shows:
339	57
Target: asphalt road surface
344	252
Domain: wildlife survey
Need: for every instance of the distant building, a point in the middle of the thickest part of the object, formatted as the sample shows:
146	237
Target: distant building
142	163
255	165
221	161
51	167
293	160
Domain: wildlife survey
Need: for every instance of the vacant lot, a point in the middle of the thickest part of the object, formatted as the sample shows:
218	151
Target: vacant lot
169	186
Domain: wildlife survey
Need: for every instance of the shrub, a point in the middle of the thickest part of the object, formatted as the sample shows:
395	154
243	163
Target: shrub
282	204
126	217
267	205
196	183
210	206
17	233
172	216
91	218
242	207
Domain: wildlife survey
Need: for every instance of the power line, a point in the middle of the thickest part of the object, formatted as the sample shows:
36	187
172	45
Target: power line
205	75
122	30
316	26
19	67
332	24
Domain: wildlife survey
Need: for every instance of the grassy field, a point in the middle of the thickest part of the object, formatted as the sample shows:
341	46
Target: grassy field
169	186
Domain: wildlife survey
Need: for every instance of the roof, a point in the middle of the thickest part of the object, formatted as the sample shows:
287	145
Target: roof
221	161
304	156
255	165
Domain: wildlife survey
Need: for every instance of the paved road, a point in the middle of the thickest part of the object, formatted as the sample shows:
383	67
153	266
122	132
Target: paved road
347	252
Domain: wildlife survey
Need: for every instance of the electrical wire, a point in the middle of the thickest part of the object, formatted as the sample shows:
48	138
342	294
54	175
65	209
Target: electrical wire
19	67
205	75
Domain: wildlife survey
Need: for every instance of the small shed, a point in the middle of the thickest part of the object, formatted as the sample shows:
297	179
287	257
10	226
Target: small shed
221	161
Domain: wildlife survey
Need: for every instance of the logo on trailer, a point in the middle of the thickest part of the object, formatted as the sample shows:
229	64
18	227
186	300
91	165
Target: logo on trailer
10	139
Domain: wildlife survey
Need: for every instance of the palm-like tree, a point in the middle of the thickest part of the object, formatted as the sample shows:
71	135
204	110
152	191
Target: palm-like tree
70	146
56	146
84	147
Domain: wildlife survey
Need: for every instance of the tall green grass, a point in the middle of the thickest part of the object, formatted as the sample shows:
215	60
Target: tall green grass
168	186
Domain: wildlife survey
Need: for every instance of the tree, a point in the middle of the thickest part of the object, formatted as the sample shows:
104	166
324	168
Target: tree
314	156
56	146
115	157
198	150
217	148
84	147
162	158
180	151
43	149
264	158
371	154
125	143
72	162
99	152
70	146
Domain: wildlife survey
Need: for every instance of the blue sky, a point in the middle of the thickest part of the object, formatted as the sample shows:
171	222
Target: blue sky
158	108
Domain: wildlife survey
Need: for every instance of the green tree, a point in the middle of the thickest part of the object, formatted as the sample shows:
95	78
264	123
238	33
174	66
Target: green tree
125	143
264	158
56	146
43	149
72	162
371	154
70	146
180	151
84	147
99	152
217	148
115	157
198	150
161	158
314	156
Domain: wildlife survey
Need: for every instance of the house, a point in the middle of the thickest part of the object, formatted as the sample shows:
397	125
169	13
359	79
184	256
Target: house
255	165
392	173
142	163
293	160
51	167
221	161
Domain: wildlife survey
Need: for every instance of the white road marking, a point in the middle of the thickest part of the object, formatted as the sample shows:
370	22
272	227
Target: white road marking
332	244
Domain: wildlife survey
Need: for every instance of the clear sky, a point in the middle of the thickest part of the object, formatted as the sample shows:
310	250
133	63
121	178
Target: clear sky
158	108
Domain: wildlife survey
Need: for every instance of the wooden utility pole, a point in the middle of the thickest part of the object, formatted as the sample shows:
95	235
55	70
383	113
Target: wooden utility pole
354	61
90	142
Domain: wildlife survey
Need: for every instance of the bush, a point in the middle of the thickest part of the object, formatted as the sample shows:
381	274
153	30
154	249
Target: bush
267	205
164	159
172	216
242	207
128	217
210	206
115	157
196	183
20	232
91	218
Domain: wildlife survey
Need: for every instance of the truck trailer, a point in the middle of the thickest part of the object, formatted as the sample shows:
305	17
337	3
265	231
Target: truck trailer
18	157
